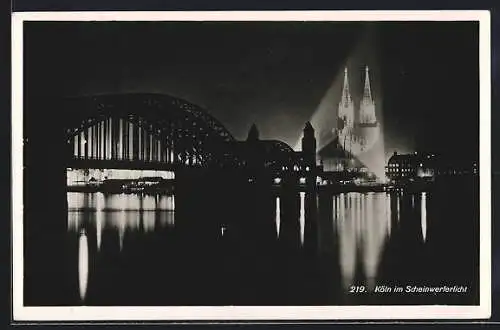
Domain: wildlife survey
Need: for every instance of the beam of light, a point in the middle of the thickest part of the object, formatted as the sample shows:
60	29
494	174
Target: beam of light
423	216
324	118
278	217
83	264
302	216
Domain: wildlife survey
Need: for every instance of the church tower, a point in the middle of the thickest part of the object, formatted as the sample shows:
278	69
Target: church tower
309	145
367	107
345	119
346	105
253	133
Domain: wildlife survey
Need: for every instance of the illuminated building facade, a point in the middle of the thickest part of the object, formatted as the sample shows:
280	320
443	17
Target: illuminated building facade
409	167
402	167
367	107
345	120
426	166
357	129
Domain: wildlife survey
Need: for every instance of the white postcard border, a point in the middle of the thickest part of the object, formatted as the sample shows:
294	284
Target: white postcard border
251	313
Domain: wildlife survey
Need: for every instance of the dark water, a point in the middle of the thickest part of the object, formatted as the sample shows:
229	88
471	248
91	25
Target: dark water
298	249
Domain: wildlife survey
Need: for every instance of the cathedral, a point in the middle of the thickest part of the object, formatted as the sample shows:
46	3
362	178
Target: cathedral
356	131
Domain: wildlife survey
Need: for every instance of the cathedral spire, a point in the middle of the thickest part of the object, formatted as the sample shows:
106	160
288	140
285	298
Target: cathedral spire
367	93
346	105
367	108
346	94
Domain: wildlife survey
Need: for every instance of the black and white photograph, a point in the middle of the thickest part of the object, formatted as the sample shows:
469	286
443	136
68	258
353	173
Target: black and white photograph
251	166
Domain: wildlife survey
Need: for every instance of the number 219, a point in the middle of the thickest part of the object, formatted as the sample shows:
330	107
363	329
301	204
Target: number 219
356	289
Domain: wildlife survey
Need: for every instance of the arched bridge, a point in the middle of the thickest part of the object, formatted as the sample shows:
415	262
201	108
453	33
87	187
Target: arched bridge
144	131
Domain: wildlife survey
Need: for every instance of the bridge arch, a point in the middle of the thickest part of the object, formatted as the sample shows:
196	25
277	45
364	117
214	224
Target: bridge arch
144	128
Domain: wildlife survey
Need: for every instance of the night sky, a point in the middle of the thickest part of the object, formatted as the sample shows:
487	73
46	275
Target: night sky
272	74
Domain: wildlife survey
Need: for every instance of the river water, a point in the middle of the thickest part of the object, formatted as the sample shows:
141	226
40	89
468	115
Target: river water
304	249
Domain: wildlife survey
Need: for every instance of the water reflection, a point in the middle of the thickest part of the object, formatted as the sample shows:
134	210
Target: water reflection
363	225
120	223
119	211
278	217
302	221
398	206
347	237
167	219
138	242
423	215
83	264
148	221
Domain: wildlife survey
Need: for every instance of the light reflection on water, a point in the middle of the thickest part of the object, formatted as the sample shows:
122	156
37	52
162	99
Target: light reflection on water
363	226
302	216
423	216
398	207
346	232
120	211
83	264
278	216
360	225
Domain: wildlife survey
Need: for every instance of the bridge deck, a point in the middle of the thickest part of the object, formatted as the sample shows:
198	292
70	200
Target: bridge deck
122	164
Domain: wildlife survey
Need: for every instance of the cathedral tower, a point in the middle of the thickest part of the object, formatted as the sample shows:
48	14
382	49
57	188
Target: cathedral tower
346	105
367	107
345	119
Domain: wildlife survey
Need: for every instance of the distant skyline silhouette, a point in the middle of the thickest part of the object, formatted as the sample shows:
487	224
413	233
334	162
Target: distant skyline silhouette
271	74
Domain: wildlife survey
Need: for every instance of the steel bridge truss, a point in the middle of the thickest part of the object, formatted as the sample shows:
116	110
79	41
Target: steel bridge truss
146	128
